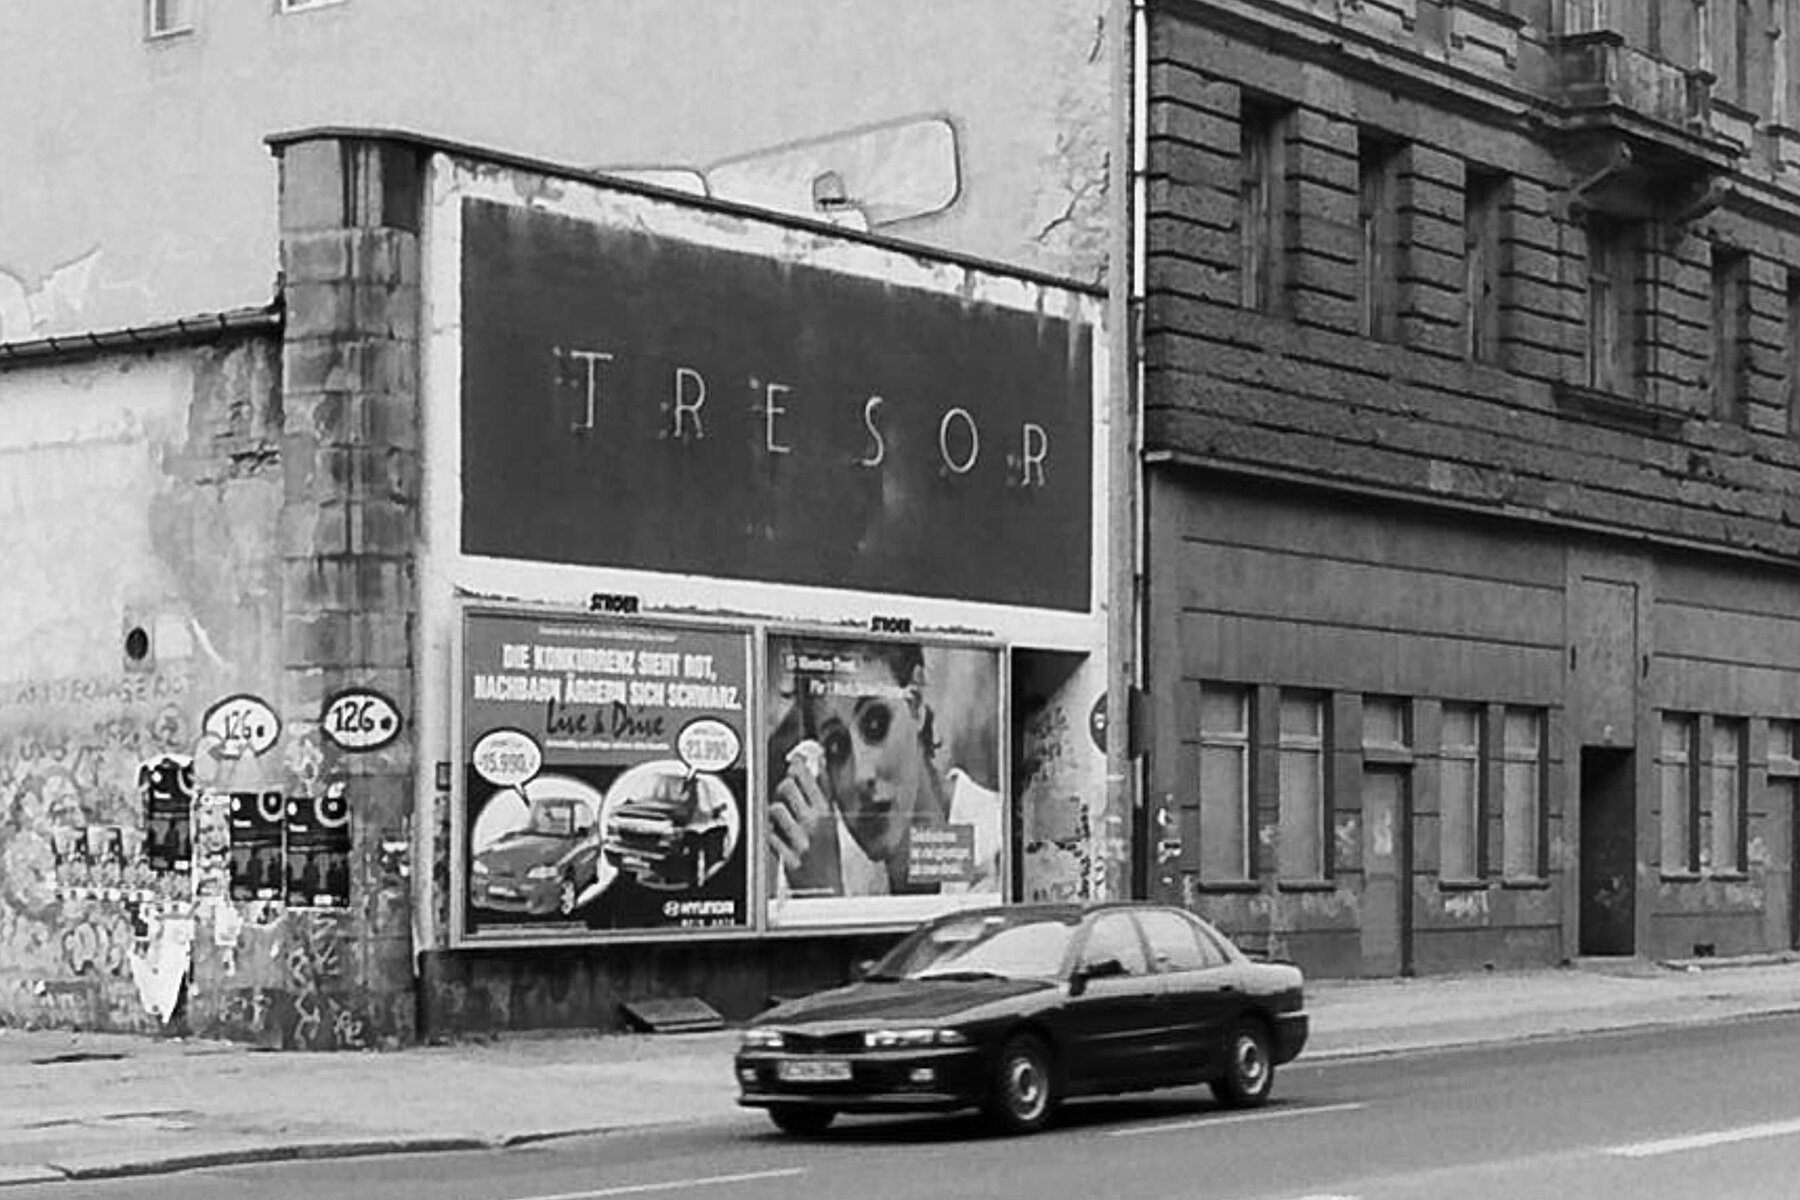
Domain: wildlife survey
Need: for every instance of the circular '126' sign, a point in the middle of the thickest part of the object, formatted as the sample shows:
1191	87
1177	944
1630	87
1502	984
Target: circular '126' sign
360	719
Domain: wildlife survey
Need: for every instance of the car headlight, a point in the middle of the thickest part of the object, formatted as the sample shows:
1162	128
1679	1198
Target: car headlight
479	868
762	1039
890	1039
544	872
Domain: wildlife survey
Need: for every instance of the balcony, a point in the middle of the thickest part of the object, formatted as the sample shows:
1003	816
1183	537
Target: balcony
1637	131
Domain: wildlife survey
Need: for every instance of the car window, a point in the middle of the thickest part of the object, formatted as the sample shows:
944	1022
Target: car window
1114	935
1216	941
1176	944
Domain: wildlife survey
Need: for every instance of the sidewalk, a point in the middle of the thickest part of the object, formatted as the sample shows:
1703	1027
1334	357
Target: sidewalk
83	1106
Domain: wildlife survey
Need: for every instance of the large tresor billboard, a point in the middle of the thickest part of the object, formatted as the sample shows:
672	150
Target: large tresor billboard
642	401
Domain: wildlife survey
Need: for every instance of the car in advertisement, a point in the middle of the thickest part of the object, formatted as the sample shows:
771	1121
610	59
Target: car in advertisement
673	833
545	866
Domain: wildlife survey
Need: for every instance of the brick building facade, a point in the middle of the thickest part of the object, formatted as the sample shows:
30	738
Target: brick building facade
1470	359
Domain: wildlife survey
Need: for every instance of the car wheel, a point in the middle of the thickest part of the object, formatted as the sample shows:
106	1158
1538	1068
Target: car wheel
1249	1067
1024	1089
802	1120
565	896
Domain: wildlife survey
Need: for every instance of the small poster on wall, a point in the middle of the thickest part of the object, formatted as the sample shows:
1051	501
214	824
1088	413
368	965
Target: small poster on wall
883	759
256	820
318	849
604	776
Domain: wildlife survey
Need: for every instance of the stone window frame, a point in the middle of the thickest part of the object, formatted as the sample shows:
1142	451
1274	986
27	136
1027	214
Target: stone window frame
1303	753
1378	158
1460	843
1484	266
1227	821
1729	276
1678	794
1524	786
1262	147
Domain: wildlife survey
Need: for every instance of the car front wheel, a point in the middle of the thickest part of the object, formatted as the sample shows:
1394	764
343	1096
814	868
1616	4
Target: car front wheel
1249	1067
1024	1089
801	1119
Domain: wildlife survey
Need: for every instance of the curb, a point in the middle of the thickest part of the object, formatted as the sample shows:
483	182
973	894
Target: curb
361	1148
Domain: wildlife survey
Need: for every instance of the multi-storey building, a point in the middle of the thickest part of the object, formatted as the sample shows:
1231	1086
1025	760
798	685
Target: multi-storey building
1471	349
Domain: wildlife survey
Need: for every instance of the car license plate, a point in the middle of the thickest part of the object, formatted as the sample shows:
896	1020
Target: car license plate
821	1070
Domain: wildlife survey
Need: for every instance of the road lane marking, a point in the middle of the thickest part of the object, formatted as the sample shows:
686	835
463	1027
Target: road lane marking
1209	1122
1701	1141
638	1189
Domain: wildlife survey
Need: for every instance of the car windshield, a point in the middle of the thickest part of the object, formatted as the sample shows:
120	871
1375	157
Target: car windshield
991	946
557	820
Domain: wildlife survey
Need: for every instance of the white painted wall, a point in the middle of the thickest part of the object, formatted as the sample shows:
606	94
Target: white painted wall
138	187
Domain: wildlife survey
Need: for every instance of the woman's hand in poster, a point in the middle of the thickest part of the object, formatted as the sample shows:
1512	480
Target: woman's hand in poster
803	824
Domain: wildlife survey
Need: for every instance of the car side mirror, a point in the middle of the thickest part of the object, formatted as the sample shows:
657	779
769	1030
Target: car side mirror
1103	968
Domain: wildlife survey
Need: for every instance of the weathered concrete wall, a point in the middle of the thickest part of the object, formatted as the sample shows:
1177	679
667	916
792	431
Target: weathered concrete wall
741	98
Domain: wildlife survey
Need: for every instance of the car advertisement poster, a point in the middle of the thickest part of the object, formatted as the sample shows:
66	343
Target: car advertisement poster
604	775
884	791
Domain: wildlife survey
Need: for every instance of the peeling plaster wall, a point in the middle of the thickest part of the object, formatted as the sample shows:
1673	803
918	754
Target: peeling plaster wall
135	493
726	95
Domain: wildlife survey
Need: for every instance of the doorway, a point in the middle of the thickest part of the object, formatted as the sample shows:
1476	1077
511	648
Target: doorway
1608	912
1387	925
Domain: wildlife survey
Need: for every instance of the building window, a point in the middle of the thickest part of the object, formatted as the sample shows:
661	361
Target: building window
1225	824
1612	308
1703	36
1459	795
1482	196
1793	352
1376	159
1260	134
1728	793
1679	782
1522	794
1300	852
168	18
1730	312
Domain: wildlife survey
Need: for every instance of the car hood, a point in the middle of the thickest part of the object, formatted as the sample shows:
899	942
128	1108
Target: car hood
900	1000
516	854
647	809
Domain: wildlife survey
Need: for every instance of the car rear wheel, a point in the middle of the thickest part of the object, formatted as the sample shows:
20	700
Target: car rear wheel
801	1119
1249	1067
1024	1089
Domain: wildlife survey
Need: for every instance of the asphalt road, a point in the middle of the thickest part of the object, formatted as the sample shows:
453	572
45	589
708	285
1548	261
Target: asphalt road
1656	1115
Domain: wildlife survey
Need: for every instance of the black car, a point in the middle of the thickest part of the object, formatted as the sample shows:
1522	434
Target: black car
1011	1010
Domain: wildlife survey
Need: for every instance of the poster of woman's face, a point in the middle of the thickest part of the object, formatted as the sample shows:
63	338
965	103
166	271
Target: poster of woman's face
883	776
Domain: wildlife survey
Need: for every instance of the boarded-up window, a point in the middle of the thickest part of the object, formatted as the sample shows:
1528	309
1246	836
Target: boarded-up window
1377	162
1385	724
1674	764
1522	793
1727	793
1482	195
1300	853
1224	784
1459	794
1260	134
1730	315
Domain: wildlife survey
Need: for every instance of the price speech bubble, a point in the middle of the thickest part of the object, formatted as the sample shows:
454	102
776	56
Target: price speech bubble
708	744
507	757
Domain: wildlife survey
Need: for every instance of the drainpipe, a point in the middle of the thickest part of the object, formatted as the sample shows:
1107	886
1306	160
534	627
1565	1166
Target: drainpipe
1122	833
